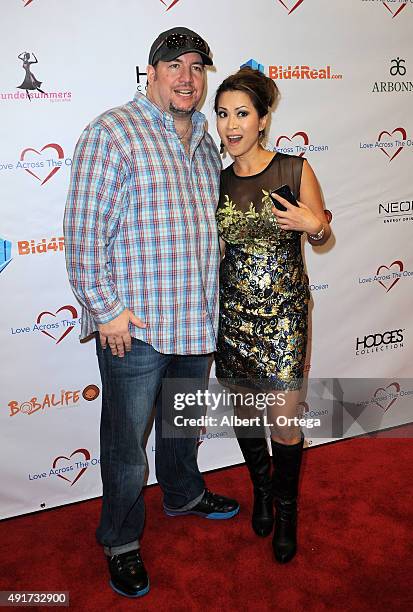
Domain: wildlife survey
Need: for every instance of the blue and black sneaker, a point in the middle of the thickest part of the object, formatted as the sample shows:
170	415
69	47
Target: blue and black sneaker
211	506
128	575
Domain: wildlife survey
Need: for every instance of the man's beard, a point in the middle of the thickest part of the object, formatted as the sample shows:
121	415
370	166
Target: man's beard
179	111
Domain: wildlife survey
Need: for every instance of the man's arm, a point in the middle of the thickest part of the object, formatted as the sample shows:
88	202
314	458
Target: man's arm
93	209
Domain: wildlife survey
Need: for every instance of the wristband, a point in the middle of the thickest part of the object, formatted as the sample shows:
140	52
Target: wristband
319	235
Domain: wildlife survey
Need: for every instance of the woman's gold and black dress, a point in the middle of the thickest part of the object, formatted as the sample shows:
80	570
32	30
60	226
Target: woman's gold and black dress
263	286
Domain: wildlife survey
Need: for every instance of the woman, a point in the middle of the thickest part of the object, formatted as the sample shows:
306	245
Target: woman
30	82
264	292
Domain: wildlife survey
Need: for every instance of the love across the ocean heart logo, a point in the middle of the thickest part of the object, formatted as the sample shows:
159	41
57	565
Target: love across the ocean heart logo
387	137
169	4
299	139
394	10
27	2
290	5
51	322
396	266
385	397
77	467
36	161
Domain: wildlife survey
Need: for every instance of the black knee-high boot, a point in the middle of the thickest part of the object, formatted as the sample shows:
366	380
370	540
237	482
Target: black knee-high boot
258	461
287	463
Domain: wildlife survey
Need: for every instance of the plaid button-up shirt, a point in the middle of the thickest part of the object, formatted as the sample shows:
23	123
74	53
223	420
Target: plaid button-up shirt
140	229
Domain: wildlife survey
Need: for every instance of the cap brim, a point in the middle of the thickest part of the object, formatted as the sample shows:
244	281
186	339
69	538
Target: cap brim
174	53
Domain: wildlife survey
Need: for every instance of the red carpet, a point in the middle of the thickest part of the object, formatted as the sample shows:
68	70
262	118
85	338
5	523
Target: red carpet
355	537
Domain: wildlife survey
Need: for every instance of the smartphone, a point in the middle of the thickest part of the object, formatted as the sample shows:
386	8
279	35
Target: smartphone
285	192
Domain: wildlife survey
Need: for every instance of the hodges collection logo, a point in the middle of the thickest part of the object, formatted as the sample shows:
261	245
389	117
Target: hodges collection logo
61	399
298	144
380	341
5	253
55	325
397	69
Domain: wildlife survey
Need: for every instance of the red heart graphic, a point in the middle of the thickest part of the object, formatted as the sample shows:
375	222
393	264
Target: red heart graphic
169	5
68	329
383	406
303	135
290	10
392	283
86	456
27	2
51	145
385	4
399	149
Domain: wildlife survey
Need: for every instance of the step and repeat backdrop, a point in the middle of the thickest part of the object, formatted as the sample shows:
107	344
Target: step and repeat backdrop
345	72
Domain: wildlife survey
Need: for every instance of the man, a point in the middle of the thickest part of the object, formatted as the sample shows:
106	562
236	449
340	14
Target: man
142	258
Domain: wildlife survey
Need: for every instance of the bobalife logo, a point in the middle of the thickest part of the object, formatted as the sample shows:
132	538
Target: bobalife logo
379	342
40	164
298	144
290	5
48	401
68	468
387	276
54	325
5	253
31	88
297	72
397	69
397	211
391	144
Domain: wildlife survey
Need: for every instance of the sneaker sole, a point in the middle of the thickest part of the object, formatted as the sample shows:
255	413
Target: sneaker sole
137	594
218	516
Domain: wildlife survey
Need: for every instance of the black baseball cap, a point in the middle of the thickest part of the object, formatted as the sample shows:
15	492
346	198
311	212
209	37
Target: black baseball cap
175	42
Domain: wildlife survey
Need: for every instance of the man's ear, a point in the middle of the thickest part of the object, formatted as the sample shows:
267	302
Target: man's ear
150	74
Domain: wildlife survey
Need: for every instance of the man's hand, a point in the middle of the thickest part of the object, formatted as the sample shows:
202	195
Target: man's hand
116	332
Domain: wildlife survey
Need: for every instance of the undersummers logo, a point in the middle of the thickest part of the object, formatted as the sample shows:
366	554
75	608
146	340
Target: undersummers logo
381	341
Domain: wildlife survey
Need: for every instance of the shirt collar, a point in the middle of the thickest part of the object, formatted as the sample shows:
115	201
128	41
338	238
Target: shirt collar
198	119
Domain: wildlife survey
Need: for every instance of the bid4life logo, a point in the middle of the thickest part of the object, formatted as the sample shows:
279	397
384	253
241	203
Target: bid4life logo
388	275
32	88
69	468
5	253
397	69
54	325
390	143
40	164
298	144
48	401
289	72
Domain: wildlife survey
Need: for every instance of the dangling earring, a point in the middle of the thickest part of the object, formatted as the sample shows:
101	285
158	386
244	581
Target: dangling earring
221	148
261	135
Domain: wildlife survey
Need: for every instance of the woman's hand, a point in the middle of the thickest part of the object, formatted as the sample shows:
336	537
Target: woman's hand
298	218
309	215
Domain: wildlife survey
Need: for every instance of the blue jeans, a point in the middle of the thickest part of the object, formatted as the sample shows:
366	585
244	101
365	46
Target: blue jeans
131	387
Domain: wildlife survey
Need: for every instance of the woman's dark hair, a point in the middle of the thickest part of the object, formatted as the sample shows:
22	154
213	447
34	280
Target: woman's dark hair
262	90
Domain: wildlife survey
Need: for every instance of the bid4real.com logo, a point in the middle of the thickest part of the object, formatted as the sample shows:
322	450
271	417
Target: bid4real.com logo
298	72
